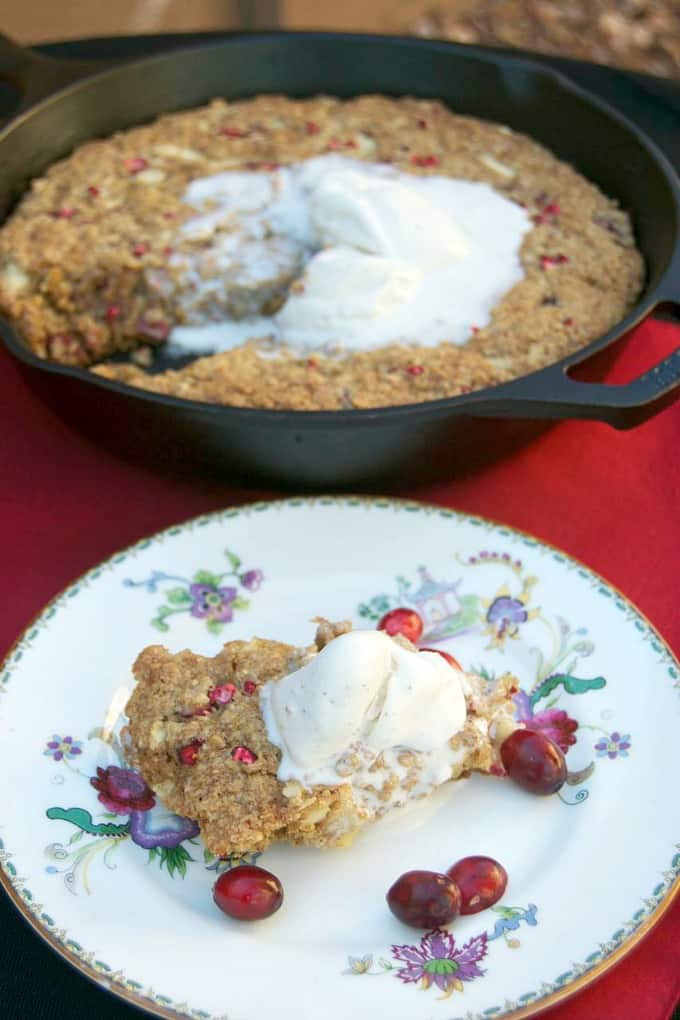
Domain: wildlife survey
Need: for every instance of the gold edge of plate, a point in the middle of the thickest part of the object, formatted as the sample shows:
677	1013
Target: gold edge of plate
531	1009
113	987
96	977
600	969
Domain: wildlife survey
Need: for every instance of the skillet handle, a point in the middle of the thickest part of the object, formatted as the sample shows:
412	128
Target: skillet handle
622	406
34	76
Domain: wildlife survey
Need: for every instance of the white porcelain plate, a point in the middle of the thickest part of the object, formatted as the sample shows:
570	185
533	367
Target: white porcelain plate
122	889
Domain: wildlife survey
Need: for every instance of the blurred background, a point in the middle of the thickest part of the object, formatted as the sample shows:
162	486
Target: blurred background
643	35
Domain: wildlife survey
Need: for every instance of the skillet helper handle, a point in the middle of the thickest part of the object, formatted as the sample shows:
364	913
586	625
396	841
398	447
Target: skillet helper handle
622	406
34	76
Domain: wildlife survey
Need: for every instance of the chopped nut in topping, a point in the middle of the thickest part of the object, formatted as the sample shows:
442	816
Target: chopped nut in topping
496	165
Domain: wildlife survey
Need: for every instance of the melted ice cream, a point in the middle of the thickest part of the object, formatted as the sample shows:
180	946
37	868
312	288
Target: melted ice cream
379	256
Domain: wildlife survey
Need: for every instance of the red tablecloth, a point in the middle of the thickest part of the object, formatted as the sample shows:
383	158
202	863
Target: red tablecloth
611	499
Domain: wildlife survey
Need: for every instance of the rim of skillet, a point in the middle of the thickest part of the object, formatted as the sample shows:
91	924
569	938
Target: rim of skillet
422	409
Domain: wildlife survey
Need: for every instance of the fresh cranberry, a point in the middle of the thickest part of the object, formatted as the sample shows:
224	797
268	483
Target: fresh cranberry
232	132
549	213
93	191
248	893
451	659
425	160
534	762
222	695
550	261
402	621
188	755
424	899
243	754
135	164
481	881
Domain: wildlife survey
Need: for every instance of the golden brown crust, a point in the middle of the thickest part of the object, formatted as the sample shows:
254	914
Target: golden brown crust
84	258
217	787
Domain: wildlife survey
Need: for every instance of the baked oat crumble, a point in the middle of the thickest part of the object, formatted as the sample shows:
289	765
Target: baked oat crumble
198	735
87	260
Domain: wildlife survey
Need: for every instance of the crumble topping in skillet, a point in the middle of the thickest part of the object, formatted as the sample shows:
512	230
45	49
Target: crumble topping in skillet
86	257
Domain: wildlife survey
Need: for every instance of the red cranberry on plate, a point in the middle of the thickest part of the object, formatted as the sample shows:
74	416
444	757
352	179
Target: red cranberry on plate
451	659
481	881
248	893
402	621
534	762
424	899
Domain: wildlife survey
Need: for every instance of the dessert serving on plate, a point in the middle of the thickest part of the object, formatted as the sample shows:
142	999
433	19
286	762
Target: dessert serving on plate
268	742
84	837
316	254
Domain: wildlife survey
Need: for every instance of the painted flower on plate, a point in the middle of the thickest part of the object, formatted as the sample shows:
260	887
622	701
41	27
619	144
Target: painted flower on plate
167	835
359	964
554	722
122	791
437	960
557	725
616	745
63	748
505	615
252	579
211	602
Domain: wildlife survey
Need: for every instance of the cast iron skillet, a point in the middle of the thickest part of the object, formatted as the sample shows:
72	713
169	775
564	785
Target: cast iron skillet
319	449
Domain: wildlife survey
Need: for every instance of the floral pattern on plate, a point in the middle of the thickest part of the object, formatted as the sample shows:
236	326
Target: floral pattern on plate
448	609
204	596
167	838
439	961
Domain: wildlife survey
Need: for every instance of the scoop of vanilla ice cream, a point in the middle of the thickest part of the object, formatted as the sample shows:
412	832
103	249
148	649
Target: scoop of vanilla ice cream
345	287
363	690
384	216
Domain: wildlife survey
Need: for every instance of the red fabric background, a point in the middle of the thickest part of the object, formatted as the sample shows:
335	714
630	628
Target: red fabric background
611	499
